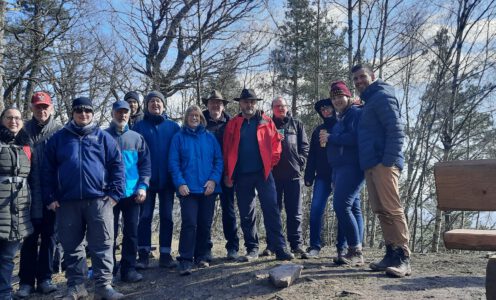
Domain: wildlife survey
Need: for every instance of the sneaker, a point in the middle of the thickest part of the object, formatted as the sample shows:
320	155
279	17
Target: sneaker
250	256
107	293
131	276
185	267
283	254
312	253
46	287
267	252
232	254
354	257
339	258
387	261
166	261
76	292
402	268
24	291
143	260
203	264
297	251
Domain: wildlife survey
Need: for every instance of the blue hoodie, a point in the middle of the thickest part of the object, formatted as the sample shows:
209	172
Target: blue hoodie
342	148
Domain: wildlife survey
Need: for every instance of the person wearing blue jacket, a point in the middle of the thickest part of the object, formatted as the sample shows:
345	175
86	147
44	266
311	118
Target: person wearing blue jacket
157	130
380	139
195	162
83	179
347	177
136	159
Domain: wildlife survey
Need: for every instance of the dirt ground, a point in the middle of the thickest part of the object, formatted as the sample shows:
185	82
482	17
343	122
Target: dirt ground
435	276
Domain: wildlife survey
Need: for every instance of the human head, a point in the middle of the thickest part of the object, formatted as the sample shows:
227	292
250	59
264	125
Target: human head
155	103
215	103
279	107
324	108
12	120
41	106
363	76
82	111
121	113
248	102
340	96
132	98
193	117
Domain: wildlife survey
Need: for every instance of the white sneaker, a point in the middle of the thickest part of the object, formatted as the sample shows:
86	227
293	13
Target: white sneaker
314	253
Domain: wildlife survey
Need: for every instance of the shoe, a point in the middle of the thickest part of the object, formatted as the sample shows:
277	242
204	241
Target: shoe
283	254
208	256
387	261
24	291
403	268
131	276
46	287
354	257
185	267
76	292
252	255
203	263
297	251
232	254
107	293
312	253
143	260
166	261
339	259
267	252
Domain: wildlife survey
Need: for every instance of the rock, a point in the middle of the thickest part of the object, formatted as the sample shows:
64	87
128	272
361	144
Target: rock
284	275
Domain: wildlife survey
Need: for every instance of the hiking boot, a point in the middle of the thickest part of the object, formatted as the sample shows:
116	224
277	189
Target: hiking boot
143	260
388	260
203	264
339	259
166	261
131	276
312	253
185	267
24	291
250	256
401	269
267	252
354	257
297	251
208	256
107	293
76	292
232	254
283	254
46	287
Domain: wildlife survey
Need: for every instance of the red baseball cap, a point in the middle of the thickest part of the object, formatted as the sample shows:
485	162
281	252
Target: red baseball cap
41	98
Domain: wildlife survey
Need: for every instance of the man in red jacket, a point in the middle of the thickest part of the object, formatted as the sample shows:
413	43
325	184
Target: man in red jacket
252	147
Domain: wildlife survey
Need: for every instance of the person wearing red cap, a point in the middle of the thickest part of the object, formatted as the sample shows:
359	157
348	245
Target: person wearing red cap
36	263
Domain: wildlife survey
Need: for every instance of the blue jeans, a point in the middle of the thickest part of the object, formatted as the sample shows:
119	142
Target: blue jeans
321	191
348	181
130	217
166	203
8	251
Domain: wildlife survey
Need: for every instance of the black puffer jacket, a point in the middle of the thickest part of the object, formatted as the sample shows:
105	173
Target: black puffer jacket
15	202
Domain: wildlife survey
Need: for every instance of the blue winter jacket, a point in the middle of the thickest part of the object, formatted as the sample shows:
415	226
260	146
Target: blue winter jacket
342	145
380	132
136	159
158	132
82	165
194	158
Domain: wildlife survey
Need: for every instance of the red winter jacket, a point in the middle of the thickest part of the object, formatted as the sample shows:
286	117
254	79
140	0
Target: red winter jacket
269	143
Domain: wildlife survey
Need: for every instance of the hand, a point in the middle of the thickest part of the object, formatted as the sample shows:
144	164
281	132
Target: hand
227	182
308	183
323	137
140	196
53	206
183	190
209	187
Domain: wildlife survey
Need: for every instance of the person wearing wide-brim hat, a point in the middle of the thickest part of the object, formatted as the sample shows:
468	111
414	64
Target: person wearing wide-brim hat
252	147
215	95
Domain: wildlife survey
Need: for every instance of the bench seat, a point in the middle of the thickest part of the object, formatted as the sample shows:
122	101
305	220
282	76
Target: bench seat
470	239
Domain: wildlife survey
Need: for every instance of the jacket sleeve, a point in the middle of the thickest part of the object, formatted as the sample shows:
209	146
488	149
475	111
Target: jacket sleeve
216	174
311	166
303	146
175	161
226	141
276	143
115	168
144	166
346	134
35	185
49	172
389	117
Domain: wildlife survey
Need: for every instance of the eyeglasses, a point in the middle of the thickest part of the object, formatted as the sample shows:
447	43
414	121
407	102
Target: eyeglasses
280	106
13	118
81	110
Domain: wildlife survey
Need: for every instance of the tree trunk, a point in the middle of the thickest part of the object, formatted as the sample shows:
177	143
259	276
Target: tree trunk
350	39
2	69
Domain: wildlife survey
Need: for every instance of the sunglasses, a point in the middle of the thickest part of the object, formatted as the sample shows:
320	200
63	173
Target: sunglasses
81	110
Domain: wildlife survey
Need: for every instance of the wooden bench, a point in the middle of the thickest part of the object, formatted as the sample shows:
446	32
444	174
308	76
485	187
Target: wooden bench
469	186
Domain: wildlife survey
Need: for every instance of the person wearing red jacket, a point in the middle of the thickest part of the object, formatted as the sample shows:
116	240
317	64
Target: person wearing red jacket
252	147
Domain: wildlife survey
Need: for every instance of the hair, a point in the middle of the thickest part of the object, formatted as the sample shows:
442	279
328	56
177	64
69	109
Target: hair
365	67
275	99
191	109
9	108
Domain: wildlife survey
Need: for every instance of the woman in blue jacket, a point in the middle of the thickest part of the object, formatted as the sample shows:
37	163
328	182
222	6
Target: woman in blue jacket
195	162
342	152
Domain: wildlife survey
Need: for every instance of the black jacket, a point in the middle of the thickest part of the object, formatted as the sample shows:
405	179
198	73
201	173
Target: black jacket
217	127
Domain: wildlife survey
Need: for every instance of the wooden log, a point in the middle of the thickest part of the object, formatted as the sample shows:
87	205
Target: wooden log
491	279
466	185
470	239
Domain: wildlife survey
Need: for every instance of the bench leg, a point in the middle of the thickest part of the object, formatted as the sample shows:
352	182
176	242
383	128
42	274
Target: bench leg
491	279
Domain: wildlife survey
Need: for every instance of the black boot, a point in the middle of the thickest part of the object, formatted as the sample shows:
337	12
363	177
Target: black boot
143	260
402	268
387	261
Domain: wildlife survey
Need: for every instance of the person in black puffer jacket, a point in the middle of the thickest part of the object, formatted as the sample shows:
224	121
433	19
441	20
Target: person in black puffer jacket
15	203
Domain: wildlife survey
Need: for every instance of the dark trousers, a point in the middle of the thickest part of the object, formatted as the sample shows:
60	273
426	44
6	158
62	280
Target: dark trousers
229	225
197	213
245	186
8	251
166	202
36	263
130	218
95	218
289	191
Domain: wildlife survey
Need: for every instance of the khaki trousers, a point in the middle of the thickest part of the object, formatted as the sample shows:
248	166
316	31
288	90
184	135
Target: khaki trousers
382	186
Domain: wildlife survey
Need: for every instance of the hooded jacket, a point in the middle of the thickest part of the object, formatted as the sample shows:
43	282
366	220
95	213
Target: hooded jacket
342	145
380	131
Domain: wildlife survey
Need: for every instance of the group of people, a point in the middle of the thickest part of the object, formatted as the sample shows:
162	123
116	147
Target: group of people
71	183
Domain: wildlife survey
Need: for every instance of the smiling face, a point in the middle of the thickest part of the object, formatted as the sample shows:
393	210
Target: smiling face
280	108
215	107
121	117
133	104
248	107
326	111
155	106
362	78
82	116
12	119
340	102
42	112
193	119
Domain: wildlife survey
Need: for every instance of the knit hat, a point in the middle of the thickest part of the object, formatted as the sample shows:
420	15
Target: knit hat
41	98
132	95
339	88
154	94
82	102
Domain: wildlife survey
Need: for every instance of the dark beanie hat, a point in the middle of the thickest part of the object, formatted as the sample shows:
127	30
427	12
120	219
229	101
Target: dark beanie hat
82	102
154	94
131	95
339	88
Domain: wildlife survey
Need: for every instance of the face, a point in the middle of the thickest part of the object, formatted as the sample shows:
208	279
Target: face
193	119
215	106
362	79
82	116
280	108
248	107
155	106
121	117
340	102
12	119
42	112
133	104
326	111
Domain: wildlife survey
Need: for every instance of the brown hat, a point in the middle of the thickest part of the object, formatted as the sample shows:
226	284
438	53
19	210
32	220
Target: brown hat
248	94
215	95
